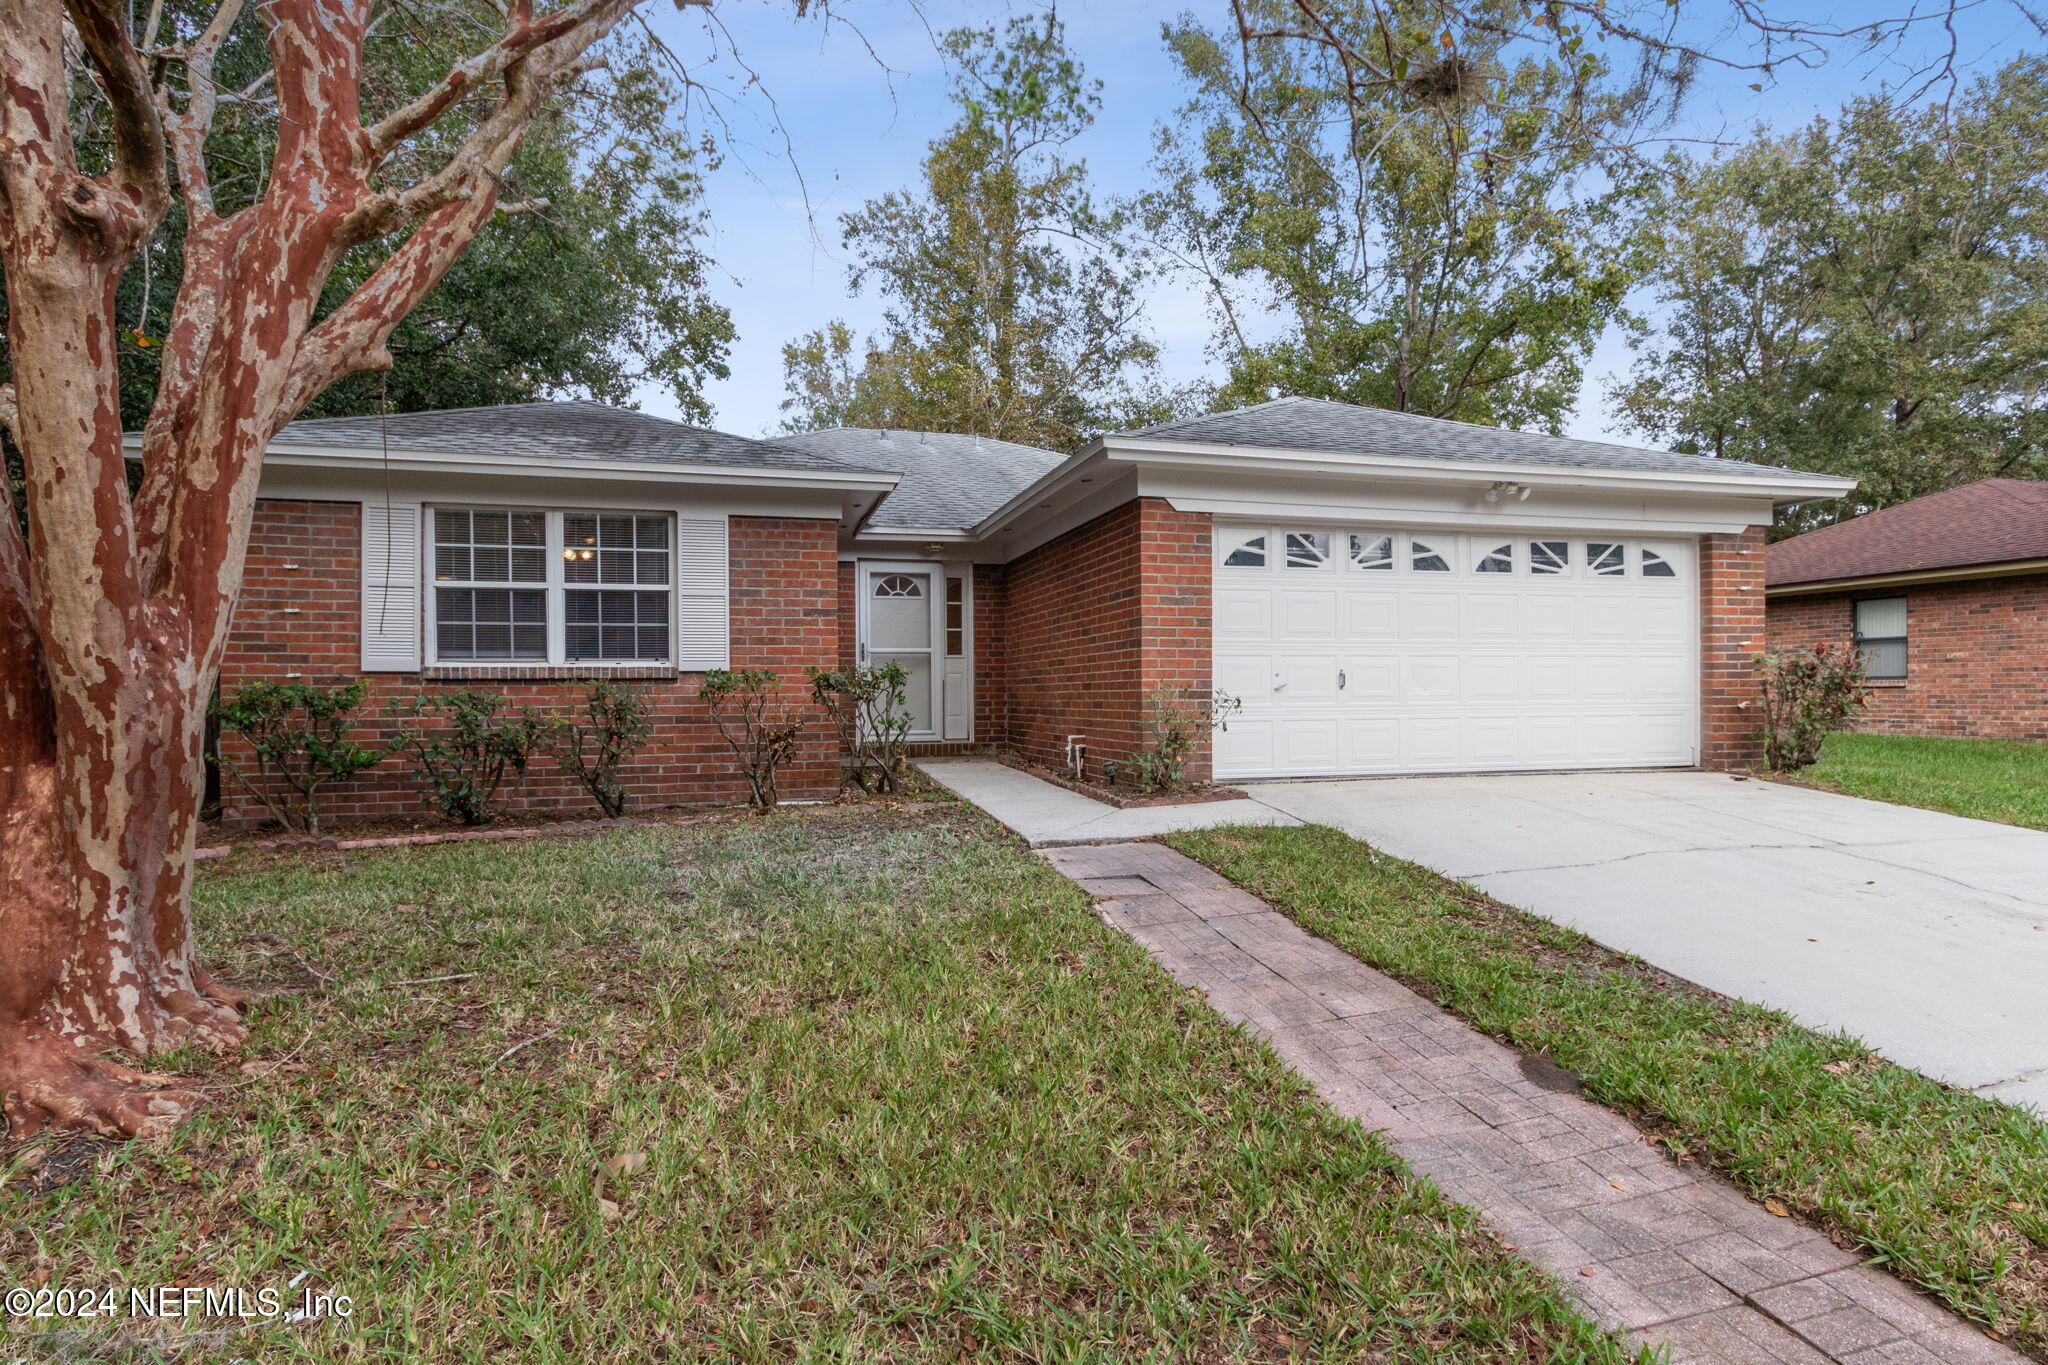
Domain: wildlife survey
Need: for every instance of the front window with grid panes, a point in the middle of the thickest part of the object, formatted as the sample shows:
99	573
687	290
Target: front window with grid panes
518	586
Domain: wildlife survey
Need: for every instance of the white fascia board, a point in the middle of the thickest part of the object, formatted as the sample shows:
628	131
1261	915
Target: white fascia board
636	471
870	531
474	488
1241	496
1791	487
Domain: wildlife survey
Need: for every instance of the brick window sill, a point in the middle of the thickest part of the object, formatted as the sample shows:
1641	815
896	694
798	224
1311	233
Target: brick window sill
549	672
1884	682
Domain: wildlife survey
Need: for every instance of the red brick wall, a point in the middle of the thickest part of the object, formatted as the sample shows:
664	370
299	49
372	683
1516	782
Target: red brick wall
1731	634
1098	617
1976	656
991	620
849	606
300	611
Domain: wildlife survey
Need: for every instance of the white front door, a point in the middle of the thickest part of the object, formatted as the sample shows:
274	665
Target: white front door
902	621
1412	649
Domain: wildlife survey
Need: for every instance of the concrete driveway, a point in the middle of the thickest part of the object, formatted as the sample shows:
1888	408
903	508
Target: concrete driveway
1924	934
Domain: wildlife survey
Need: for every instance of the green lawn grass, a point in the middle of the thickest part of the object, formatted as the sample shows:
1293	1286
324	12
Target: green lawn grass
1948	1190
1986	779
900	1093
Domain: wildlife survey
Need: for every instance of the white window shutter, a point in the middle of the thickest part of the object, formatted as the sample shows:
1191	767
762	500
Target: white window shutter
702	610
391	587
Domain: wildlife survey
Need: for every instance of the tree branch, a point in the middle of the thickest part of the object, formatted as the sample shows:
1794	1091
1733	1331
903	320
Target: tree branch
525	36
187	131
140	168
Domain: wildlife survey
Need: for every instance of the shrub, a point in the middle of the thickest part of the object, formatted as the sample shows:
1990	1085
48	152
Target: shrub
300	734
594	753
1174	721
463	763
1808	694
760	731
866	705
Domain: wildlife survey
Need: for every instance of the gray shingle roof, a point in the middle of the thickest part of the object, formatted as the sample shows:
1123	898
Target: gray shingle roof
1318	424
569	430
949	482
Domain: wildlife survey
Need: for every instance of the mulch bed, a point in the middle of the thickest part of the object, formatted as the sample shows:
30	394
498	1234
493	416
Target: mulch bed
1194	796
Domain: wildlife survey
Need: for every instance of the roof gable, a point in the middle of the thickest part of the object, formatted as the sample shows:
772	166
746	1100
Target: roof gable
1993	521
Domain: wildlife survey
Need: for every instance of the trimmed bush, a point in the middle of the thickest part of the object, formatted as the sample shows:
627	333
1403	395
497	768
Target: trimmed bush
866	705
1808	694
300	735
761	731
595	749
464	762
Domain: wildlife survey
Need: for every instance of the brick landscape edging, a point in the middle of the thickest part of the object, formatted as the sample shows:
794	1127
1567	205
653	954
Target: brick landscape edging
318	843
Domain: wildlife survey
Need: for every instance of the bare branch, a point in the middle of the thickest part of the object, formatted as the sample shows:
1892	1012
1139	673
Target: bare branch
188	130
473	73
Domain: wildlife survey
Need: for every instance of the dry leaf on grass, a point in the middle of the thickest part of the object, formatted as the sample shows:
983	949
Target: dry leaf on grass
1777	1209
626	1163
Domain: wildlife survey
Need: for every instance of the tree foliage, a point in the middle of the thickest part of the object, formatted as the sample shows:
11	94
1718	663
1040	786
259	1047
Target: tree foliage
1013	298
1867	297
597	288
1438	231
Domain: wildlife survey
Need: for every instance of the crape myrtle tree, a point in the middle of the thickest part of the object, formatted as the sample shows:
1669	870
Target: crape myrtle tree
115	604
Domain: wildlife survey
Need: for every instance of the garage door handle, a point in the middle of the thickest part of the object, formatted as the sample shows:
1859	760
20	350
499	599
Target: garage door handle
1340	680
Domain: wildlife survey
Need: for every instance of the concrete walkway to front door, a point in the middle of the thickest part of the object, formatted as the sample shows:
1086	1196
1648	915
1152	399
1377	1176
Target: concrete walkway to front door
1662	1252
1924	934
1042	814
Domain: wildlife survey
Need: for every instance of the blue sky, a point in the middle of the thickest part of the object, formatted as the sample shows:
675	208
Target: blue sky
818	117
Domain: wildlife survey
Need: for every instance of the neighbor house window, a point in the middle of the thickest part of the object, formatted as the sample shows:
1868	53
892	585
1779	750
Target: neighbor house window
1881	636
521	586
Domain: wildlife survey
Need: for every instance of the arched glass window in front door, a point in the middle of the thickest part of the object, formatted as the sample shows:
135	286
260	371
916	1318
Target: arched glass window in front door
898	585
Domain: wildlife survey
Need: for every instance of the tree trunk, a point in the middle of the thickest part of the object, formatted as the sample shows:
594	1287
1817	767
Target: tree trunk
98	950
114	611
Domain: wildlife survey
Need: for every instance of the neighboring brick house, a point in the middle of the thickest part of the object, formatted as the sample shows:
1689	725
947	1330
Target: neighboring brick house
1382	593
1947	596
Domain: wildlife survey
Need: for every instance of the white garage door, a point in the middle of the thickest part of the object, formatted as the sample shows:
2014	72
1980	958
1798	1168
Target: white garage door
1411	651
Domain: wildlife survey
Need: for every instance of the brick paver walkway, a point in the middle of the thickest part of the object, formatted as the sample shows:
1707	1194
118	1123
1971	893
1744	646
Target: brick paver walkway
1663	1252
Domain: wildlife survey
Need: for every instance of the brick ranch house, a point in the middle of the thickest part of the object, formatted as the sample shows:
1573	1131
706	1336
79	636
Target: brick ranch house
1384	593
1947	596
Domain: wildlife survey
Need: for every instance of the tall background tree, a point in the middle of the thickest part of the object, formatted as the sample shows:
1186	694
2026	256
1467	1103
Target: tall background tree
1013	299
114	605
1866	297
1401	205
598	291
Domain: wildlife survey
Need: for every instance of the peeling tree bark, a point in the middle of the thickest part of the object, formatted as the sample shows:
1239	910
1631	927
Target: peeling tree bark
114	610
